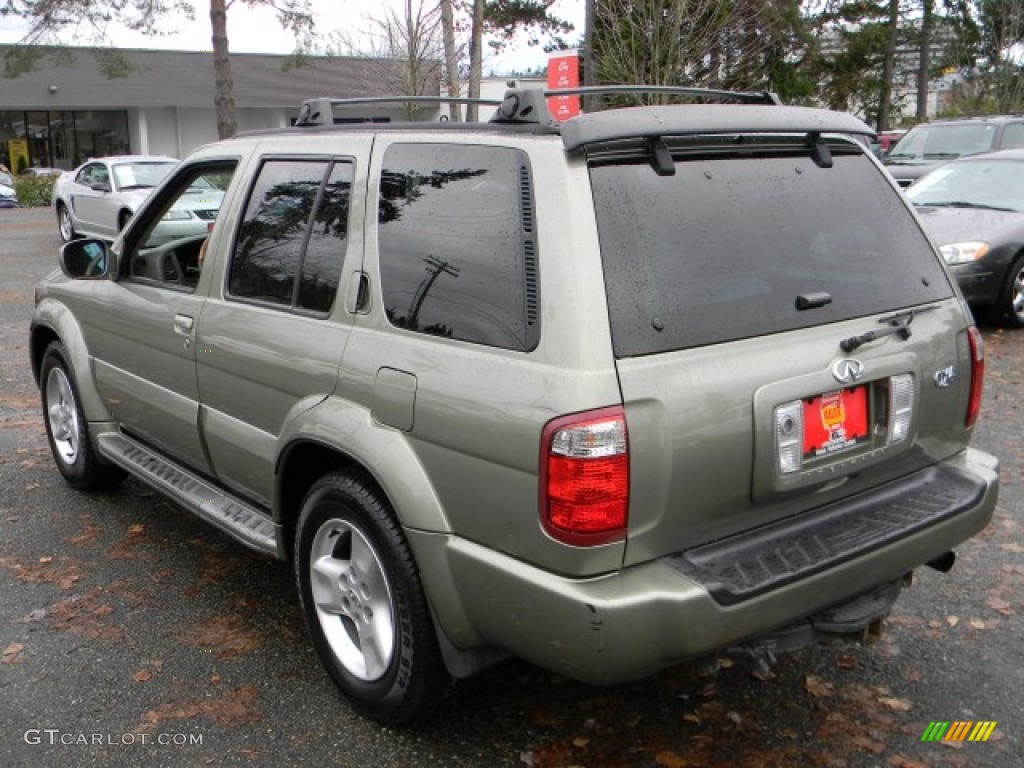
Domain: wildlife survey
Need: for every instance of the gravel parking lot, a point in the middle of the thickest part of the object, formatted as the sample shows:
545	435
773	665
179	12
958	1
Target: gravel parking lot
134	634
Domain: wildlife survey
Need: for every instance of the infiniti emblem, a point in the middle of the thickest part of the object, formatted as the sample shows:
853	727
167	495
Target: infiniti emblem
847	370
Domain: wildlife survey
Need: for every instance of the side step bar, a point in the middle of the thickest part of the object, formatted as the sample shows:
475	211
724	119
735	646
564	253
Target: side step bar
235	518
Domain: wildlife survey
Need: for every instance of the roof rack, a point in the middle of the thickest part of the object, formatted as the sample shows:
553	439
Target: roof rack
321	111
526	105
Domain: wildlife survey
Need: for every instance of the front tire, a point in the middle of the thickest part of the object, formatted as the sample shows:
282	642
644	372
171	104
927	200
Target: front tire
64	223
66	428
363	602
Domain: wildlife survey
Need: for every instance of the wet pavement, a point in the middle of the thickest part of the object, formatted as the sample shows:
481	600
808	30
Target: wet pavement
131	633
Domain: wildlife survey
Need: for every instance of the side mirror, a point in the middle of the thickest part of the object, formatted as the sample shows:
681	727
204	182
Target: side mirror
88	259
99	187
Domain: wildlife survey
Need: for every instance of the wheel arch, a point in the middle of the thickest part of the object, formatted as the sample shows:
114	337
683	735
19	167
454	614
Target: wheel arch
337	435
54	322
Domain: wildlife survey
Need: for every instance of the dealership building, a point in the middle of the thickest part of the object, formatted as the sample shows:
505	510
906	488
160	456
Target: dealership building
77	103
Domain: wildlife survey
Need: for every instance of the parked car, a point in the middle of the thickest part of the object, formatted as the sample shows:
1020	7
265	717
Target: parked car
929	145
604	394
35	171
974	210
99	197
8	195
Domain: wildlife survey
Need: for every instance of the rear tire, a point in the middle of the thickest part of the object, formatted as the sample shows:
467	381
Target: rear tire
363	602
66	428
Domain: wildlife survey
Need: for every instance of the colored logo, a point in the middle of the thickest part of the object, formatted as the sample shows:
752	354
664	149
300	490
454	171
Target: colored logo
959	730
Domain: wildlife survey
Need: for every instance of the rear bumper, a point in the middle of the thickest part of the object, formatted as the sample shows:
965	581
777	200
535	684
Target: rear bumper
628	624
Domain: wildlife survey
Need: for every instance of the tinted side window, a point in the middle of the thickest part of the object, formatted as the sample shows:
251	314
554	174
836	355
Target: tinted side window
328	238
457	243
1013	136
292	239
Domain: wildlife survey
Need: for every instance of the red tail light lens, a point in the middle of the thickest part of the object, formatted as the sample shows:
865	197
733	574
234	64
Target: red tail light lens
584	477
977	375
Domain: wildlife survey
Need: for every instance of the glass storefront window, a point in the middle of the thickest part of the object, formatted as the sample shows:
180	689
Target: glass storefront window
36	138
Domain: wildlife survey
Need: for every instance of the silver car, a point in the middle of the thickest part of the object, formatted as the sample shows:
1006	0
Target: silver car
99	197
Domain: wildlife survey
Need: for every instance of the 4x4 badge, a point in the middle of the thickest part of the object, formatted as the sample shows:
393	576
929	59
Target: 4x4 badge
848	370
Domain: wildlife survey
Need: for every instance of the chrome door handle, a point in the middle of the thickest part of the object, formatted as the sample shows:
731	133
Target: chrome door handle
183	325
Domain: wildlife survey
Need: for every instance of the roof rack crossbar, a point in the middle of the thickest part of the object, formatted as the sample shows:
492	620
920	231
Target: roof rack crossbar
321	111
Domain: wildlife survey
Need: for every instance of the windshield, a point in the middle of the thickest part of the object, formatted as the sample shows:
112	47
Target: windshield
944	141
141	175
995	184
724	248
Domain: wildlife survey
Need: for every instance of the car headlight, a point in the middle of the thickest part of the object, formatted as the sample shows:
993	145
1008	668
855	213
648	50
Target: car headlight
963	253
177	215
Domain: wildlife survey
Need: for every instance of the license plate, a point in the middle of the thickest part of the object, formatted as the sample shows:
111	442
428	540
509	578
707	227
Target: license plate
835	421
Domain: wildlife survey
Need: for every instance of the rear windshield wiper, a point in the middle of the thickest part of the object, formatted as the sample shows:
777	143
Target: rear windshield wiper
897	324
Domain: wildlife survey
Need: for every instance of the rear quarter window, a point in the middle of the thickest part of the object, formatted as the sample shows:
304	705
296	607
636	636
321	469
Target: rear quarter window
721	250
456	242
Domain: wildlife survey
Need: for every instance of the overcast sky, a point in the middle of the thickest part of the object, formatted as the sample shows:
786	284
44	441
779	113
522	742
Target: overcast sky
257	31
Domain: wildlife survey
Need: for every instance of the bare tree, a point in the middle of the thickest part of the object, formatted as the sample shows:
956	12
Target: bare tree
451	58
476	63
681	42
409	36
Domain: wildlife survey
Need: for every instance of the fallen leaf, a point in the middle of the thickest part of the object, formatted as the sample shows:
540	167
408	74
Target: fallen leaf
580	742
897	705
868	744
817	687
142	676
901	761
999	605
952	620
670	760
45	559
764	675
13	649
846	661
1014	547
692	718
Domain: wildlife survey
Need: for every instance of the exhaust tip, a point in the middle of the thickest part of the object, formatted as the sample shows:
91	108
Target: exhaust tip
943	563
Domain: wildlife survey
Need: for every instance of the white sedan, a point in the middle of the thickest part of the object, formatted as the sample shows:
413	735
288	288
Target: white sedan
98	198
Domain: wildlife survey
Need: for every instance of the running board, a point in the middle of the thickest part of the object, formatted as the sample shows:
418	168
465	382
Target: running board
238	520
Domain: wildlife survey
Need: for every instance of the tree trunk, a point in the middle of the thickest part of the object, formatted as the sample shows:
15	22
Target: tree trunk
924	60
223	99
475	58
888	65
451	58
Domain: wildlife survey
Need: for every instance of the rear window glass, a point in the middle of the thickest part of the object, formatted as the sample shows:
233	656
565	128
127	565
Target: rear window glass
721	250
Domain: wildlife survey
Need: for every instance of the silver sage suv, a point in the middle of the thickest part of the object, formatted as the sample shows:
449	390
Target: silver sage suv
605	395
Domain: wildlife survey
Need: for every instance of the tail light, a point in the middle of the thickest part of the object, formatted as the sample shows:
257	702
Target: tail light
584	477
977	375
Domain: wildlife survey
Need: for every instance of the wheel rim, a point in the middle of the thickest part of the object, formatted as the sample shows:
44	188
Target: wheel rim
62	414
352	599
65	223
1017	294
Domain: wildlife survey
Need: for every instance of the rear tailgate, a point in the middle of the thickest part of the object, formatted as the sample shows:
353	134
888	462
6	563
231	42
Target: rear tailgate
732	284
704	452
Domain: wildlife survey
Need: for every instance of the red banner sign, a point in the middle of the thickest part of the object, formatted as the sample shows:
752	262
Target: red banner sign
564	72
